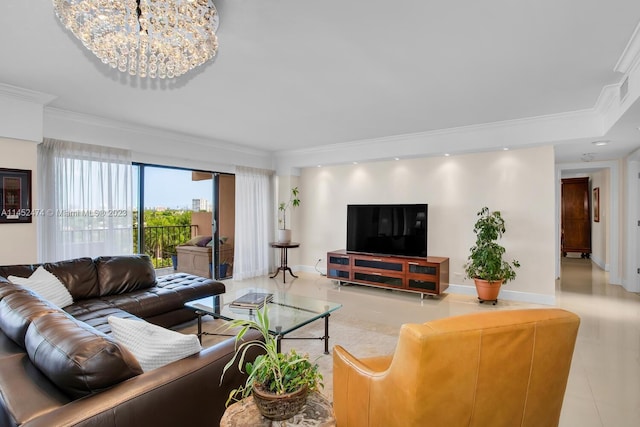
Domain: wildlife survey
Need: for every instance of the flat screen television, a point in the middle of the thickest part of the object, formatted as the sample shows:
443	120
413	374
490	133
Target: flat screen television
388	229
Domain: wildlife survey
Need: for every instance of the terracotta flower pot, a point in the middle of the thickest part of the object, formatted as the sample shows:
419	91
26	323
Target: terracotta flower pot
488	291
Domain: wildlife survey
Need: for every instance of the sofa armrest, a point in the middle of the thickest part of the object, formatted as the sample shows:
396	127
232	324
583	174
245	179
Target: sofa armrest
185	392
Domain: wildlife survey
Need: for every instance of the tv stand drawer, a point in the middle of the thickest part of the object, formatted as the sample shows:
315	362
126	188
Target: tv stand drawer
378	279
338	266
377	264
418	268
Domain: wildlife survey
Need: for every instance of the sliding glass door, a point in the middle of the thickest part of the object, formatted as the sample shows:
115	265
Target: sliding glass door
225	212
184	220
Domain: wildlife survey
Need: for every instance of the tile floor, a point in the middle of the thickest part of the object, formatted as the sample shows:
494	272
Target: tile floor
604	382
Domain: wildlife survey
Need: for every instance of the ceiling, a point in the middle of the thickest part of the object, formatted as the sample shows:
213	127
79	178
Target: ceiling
293	74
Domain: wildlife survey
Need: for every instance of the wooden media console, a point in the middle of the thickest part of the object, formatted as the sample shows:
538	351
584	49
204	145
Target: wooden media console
424	275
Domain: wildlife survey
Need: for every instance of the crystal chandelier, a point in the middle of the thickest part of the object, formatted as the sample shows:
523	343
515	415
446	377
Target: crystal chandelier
155	38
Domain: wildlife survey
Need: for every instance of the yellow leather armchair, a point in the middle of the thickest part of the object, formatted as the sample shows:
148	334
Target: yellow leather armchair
502	368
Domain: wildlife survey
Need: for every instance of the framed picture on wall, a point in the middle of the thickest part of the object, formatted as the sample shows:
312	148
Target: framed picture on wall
15	196
596	204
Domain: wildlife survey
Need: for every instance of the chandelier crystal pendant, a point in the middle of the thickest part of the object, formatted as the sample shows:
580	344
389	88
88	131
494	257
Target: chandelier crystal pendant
154	38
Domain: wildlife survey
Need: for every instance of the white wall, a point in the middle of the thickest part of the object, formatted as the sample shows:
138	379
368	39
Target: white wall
19	242
599	236
520	183
630	241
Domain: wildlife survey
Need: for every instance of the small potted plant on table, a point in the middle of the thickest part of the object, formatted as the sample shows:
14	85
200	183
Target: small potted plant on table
284	234
279	382
485	264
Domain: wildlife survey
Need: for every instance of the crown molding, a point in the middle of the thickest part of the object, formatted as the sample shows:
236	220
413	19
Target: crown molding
469	129
152	145
22	112
59	115
631	53
25	95
609	96
516	133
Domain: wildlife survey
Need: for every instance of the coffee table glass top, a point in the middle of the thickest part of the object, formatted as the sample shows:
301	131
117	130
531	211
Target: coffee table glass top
287	312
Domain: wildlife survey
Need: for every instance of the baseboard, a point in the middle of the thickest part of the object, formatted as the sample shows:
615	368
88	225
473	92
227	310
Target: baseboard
631	286
600	263
310	269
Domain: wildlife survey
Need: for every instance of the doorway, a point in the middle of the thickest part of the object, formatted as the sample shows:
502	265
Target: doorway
575	234
185	219
607	255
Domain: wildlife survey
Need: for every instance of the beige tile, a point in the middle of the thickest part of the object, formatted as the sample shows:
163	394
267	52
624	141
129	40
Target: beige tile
578	385
577	412
616	386
612	415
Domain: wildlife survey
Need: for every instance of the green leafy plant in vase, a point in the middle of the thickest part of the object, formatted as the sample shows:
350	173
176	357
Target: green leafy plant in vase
279	382
284	234
485	264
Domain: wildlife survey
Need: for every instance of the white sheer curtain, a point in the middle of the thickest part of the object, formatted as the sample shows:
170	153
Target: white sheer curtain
254	223
86	200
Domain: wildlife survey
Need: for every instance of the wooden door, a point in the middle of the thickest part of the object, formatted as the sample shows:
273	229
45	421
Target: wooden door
576	218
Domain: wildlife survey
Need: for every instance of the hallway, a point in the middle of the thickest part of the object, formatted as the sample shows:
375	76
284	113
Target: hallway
604	384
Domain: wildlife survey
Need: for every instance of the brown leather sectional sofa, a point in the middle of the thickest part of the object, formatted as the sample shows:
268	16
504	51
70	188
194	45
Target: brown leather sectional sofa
61	367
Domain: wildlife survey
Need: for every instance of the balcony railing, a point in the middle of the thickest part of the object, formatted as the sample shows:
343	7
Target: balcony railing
160	241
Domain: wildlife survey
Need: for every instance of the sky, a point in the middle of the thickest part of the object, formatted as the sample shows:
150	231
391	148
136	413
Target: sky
173	188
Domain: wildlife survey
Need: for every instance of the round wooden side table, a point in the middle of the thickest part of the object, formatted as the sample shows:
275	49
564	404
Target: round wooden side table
283	259
316	412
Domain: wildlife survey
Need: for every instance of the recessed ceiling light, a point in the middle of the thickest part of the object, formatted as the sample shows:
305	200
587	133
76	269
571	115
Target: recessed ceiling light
355	163
505	149
447	154
600	143
396	158
319	166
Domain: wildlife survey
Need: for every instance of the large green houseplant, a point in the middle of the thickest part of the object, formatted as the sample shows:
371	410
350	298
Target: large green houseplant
284	234
485	264
273	375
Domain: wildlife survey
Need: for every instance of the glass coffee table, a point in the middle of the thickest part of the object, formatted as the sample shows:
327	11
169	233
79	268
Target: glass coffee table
287	312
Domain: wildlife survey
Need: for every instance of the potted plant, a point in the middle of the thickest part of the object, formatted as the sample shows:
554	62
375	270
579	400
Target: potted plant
284	234
225	263
171	251
223	268
279	382
485	264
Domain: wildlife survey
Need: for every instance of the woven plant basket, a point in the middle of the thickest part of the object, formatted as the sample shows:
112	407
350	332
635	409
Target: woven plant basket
279	407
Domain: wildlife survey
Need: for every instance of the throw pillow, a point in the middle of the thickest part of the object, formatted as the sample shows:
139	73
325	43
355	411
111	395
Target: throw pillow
204	242
199	241
47	286
153	346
